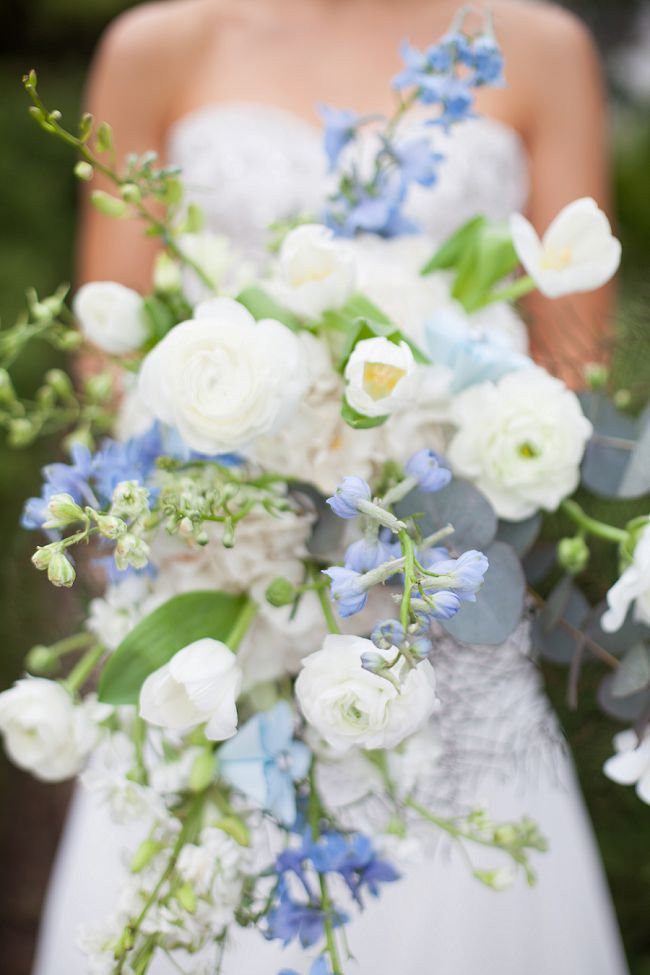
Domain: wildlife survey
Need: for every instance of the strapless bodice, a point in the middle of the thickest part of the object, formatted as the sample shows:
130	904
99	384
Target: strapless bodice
248	165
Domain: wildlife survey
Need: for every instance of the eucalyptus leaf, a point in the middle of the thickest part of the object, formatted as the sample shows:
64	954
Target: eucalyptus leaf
608	453
459	504
635	481
630	633
557	643
327	532
520	534
261	305
626	709
154	641
499	602
539	561
633	674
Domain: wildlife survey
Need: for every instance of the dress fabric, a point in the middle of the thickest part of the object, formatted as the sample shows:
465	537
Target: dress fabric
497	741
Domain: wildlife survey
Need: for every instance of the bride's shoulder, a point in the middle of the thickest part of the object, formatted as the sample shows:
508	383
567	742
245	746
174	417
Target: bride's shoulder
537	27
158	34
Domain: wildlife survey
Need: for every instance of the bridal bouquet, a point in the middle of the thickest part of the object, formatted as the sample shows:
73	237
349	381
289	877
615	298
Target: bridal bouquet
314	470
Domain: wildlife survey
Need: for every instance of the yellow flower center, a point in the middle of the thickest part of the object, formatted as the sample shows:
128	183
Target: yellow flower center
380	379
556	259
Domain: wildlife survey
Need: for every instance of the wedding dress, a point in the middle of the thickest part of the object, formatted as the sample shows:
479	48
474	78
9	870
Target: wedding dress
496	740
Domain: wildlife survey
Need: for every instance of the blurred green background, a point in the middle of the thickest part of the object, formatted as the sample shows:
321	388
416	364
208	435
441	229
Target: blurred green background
37	213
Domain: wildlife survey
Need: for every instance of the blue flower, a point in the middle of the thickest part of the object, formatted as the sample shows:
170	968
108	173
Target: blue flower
388	633
344	501
320	967
442	605
290	919
454	96
263	761
471	360
354	859
417	161
72	479
486	58
416	66
463	575
430	556
340	129
367	554
345	590
425	466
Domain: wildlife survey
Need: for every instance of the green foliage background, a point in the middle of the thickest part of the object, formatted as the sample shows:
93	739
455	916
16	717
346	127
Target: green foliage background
37	213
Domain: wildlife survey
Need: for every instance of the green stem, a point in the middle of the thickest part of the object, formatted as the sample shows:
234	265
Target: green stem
243	621
517	289
328	612
409	577
450	827
70	643
84	668
598	528
328	927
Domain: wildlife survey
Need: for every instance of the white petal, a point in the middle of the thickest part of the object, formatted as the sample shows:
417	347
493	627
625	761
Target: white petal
526	243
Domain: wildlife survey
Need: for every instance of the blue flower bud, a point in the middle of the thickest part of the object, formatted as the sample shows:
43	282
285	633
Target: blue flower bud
426	468
388	633
441	605
372	661
350	491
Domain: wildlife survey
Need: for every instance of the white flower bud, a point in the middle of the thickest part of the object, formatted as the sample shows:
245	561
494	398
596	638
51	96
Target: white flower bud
63	510
60	570
131	551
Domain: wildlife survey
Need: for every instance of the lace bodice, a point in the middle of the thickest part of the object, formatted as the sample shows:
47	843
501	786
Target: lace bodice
249	165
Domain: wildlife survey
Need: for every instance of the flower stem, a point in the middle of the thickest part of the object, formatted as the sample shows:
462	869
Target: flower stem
243	621
598	528
328	927
84	668
409	577
328	612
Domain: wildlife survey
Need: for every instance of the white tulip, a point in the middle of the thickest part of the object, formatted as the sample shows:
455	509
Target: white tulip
316	272
631	764
578	252
632	587
349	706
223	379
380	377
520	440
44	731
110	316
199	685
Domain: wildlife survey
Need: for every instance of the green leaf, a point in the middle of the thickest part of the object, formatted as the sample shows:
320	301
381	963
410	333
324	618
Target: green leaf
154	641
261	305
359	306
486	261
450	252
357	420
159	317
499	604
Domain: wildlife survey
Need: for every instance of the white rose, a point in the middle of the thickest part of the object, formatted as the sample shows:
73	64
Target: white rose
222	379
349	706
520	440
200	684
577	253
380	377
110	316
631	764
632	587
316	271
44	731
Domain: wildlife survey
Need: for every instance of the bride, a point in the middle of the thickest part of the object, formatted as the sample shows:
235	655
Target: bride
228	90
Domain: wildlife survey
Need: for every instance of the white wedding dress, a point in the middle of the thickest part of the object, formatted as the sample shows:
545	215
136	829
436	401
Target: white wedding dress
500	745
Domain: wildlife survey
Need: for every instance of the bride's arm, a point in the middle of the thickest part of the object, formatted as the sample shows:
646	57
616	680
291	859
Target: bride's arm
567	139
129	87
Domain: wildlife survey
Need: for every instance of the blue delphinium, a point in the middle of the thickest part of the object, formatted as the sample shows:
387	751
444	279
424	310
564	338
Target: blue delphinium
427	469
344	501
346	590
464	575
290	919
417	161
388	633
441	605
320	967
264	761
367	554
340	128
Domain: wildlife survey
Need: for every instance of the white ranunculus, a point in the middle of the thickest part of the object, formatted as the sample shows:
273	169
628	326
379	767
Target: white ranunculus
200	684
316	272
380	377
44	731
222	379
631	763
209	252
632	587
349	706
110	316
520	440
578	252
